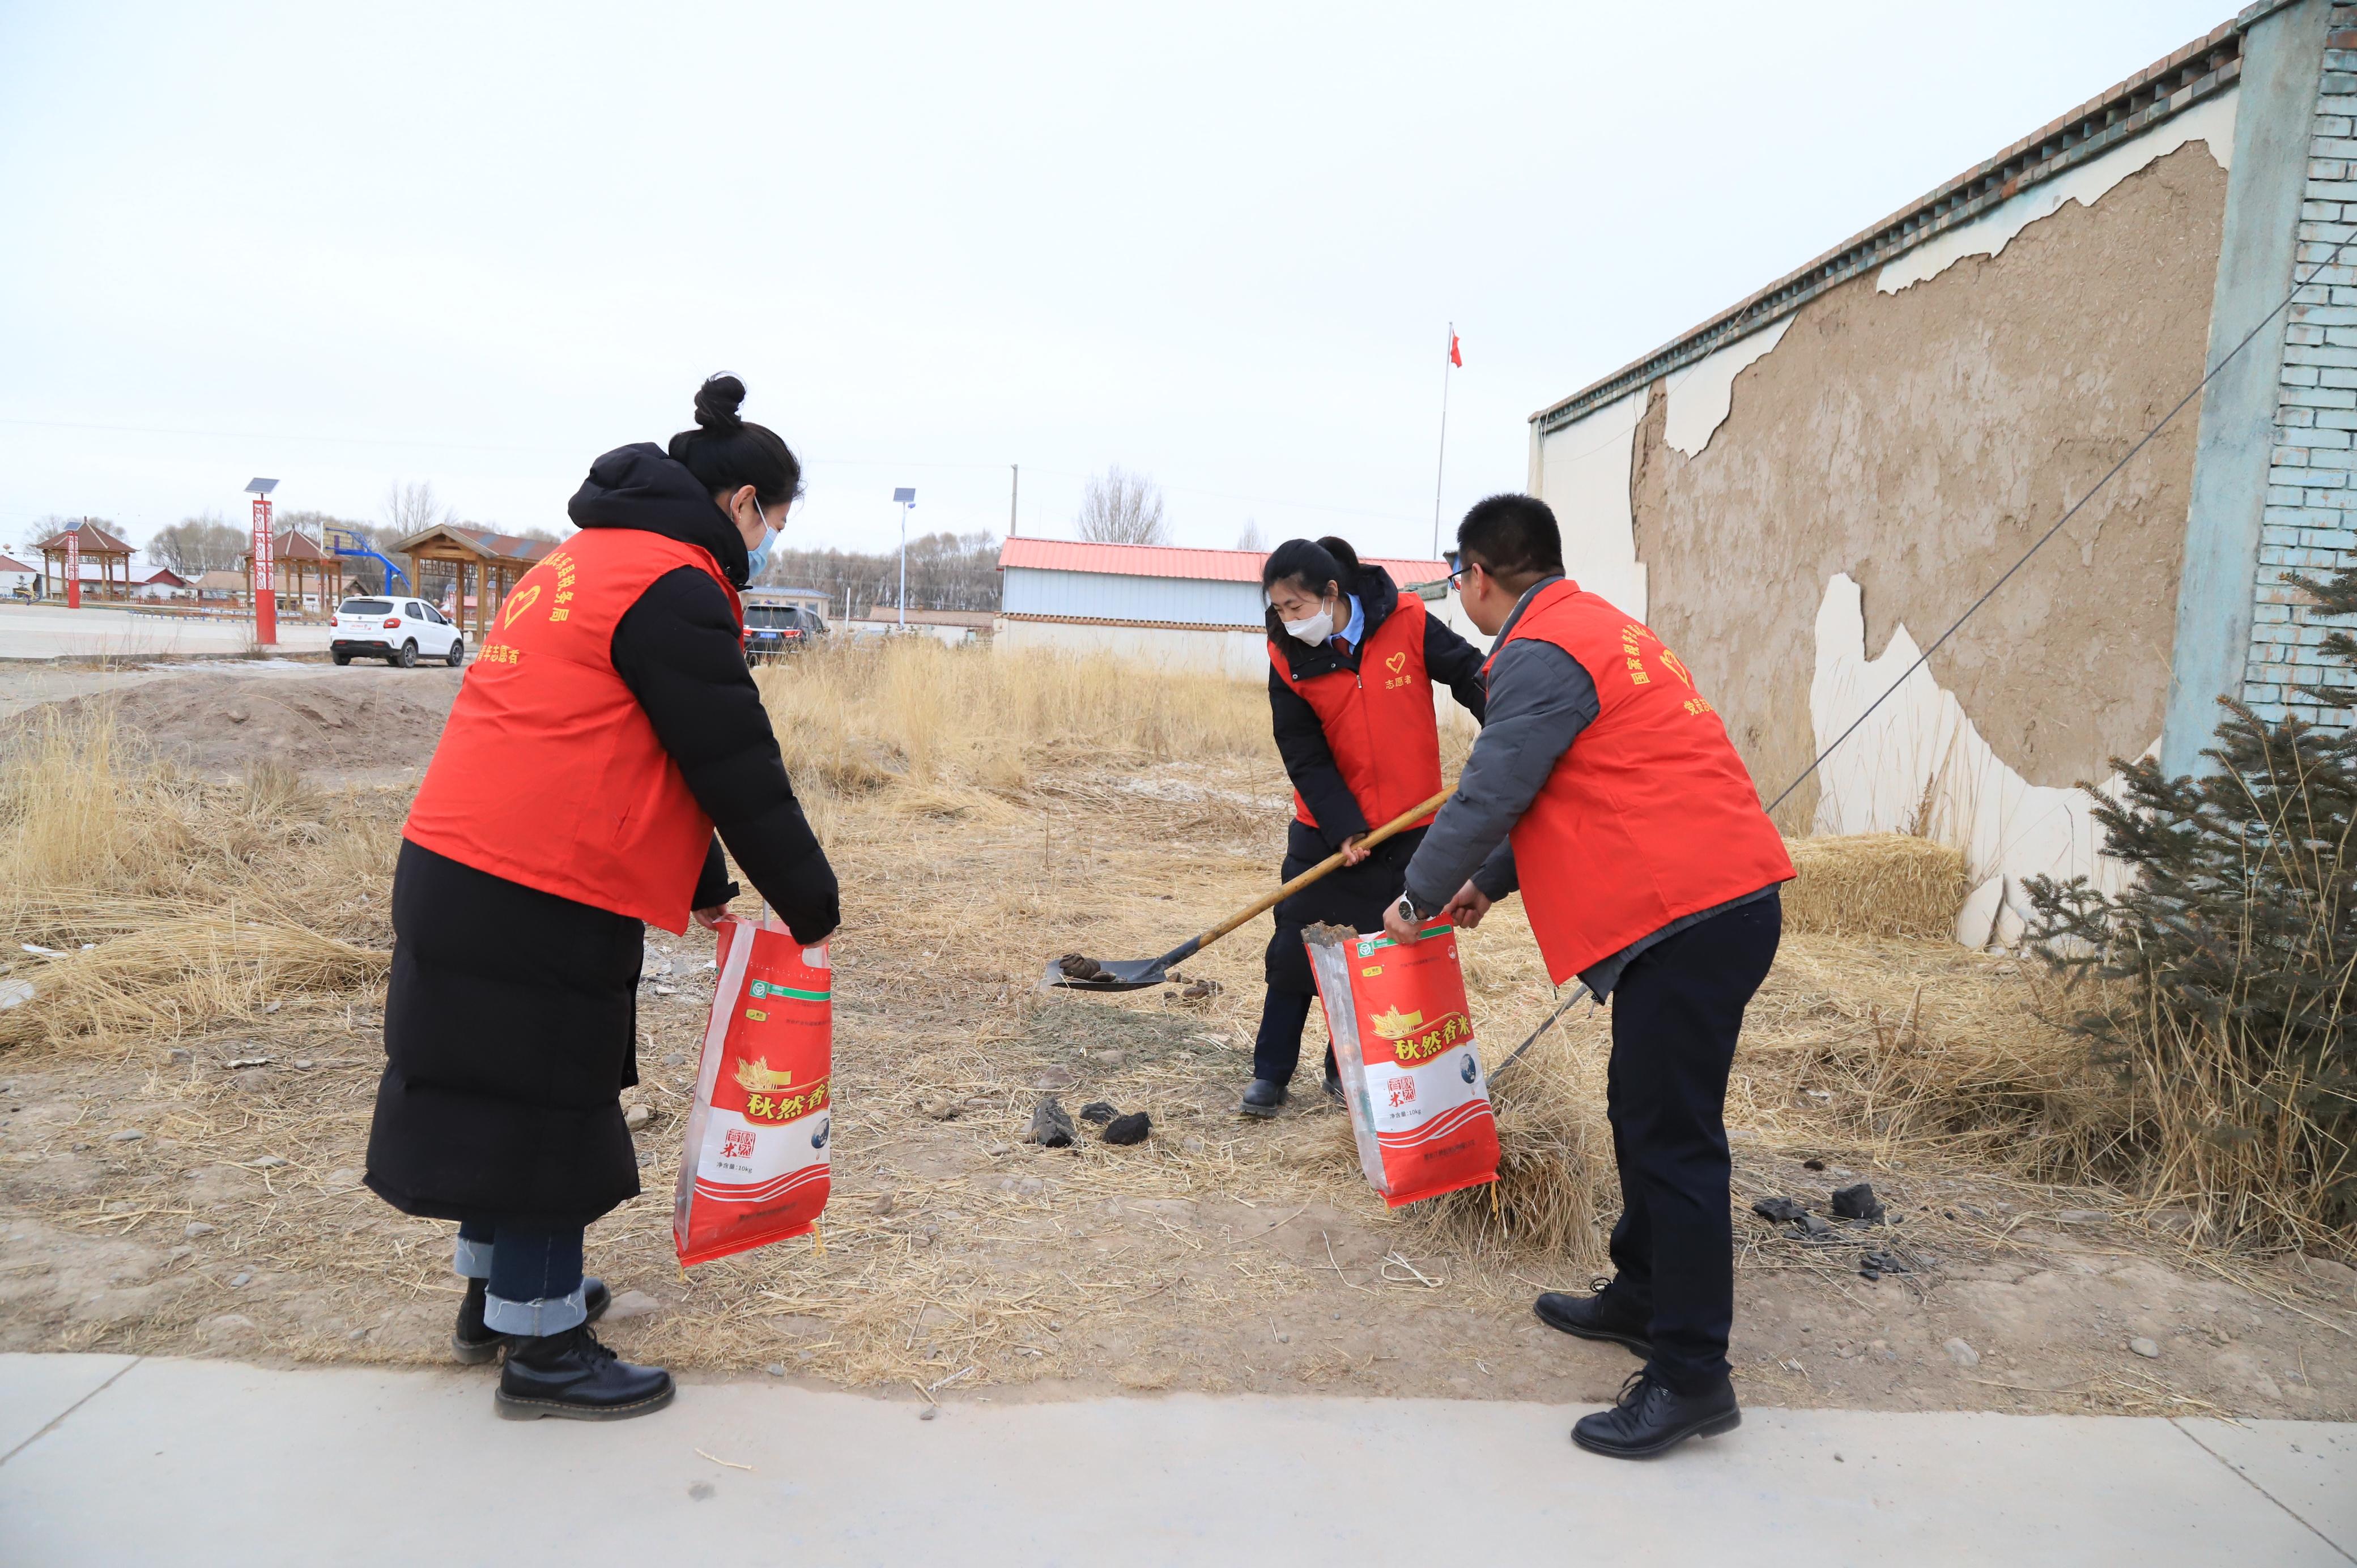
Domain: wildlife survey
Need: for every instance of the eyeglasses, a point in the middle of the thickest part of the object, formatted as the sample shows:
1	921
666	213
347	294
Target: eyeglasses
1457	566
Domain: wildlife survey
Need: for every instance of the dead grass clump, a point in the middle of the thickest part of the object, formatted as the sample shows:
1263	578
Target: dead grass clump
1912	1049
61	817
2214	1124
1875	885
162	905
1555	1177
859	715
172	969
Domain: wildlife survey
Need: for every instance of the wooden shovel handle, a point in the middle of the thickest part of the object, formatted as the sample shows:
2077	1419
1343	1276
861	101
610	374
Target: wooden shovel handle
1263	905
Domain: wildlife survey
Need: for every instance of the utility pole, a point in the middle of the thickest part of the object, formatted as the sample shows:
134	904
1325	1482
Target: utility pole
1014	498
907	499
1448	364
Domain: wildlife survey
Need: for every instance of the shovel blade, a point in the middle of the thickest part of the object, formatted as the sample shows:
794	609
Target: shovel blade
1121	974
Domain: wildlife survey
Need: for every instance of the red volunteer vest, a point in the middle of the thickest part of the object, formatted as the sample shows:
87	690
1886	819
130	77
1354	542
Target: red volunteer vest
1379	723
549	773
1651	814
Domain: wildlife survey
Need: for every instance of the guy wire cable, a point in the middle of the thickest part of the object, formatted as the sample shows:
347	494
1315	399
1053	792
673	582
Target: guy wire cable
2143	441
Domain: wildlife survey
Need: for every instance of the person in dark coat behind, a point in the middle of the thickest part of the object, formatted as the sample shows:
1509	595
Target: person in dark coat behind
1351	669
609	725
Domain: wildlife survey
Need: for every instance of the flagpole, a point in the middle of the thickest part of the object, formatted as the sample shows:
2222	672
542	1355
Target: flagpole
1448	363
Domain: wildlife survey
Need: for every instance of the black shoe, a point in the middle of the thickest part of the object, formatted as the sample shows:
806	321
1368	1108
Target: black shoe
1649	1419
1263	1097
1334	1092
474	1344
570	1374
1602	1316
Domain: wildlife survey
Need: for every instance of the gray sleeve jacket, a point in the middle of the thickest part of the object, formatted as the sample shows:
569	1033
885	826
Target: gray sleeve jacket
1540	699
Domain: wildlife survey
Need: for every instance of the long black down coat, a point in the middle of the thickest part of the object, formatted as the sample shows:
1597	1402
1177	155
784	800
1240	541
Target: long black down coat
511	1025
1352	895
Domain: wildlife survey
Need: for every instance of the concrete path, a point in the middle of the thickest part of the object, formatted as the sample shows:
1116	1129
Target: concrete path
52	631
110	1459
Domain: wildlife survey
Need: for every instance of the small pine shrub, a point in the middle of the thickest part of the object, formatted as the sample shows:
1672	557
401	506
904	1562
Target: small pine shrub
2221	984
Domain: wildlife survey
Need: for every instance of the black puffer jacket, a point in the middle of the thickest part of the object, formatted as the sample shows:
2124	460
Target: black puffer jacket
679	652
511	1023
1448	658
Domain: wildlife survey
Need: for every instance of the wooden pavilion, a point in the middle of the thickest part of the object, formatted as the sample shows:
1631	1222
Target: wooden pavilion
293	558
113	555
480	566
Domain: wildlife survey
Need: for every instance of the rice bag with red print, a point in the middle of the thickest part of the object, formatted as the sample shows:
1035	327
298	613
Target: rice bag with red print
1403	1043
755	1169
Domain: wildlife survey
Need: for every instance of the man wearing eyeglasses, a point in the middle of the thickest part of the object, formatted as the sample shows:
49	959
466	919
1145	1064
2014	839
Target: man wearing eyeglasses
1605	789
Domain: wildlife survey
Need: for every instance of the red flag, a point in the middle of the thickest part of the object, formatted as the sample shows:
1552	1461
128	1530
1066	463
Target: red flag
1455	357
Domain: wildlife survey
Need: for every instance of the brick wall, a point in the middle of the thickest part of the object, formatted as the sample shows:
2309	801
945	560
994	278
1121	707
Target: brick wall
2310	523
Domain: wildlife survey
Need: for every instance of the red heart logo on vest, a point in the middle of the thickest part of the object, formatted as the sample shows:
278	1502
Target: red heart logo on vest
517	604
1397	662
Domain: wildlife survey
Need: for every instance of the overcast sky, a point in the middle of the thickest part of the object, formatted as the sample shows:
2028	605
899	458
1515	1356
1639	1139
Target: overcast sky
1218	245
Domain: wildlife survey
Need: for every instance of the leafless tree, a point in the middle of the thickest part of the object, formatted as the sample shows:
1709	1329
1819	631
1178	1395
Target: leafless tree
1121	508
412	509
195	545
1250	539
946	572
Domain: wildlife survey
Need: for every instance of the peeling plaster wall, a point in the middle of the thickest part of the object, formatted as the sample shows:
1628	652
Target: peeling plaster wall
2210	121
1702	395
1918	763
1583	473
1915	444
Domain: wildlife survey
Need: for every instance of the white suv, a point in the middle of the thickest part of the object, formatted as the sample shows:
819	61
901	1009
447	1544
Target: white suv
398	631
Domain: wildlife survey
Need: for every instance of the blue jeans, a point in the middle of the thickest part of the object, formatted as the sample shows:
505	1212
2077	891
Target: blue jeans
532	1274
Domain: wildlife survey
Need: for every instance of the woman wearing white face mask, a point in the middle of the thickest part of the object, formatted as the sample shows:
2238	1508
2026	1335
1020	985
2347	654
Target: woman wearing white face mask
1352	667
607	728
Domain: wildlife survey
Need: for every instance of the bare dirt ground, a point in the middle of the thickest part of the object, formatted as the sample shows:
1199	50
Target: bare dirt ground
201	1194
364	725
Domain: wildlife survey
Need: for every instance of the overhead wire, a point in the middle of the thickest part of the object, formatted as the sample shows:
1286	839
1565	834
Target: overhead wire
2298	284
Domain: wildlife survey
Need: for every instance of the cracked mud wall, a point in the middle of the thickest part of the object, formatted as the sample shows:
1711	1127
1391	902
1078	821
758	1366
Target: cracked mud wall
1918	442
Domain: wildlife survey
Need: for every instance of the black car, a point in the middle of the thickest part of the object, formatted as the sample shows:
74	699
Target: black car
773	629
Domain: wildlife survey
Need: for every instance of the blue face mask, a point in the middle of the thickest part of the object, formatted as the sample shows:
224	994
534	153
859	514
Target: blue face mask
756	560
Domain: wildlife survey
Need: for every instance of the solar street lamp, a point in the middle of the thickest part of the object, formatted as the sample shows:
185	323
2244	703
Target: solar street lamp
907	499
265	585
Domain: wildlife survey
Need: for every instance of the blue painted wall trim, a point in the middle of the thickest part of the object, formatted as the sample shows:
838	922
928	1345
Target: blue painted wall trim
2283	57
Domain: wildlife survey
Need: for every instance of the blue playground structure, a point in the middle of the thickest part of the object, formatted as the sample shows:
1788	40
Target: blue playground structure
346	542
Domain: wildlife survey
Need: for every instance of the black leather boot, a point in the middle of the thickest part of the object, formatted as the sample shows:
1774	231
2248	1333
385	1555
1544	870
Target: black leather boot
1334	1090
474	1344
570	1374
1264	1097
1602	1316
1650	1419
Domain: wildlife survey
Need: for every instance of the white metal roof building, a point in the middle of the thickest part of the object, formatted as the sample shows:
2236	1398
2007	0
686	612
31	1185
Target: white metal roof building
1193	609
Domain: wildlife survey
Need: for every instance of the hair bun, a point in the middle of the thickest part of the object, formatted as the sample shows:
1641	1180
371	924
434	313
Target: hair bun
717	402
1341	550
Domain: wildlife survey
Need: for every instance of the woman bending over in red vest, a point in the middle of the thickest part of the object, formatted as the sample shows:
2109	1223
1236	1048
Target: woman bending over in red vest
1352	667
608	725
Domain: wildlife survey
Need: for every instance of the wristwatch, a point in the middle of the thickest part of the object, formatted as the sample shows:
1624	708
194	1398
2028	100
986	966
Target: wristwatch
1406	907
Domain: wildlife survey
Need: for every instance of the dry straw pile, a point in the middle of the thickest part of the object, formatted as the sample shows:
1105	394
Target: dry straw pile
1875	885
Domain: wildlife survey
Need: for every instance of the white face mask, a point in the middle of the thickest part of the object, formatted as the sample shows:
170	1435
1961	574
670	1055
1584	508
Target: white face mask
1314	631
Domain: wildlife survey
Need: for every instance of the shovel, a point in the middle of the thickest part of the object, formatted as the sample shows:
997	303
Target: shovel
1137	973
